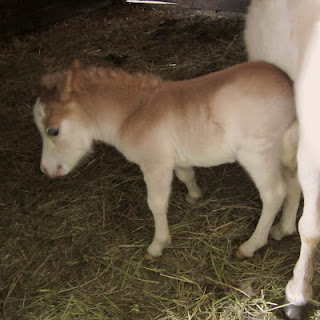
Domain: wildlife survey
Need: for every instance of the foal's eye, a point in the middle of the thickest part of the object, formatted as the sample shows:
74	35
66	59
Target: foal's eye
53	132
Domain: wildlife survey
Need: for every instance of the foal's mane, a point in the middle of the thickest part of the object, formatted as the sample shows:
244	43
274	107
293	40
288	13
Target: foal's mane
117	77
63	84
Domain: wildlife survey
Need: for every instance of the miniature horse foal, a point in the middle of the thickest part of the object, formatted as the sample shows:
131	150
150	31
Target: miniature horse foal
245	113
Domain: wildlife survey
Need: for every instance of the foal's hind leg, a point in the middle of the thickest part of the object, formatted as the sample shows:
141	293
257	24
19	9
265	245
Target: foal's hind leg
287	223
265	171
186	175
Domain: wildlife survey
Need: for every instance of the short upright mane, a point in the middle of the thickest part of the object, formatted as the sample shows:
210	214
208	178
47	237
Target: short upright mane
94	75
63	84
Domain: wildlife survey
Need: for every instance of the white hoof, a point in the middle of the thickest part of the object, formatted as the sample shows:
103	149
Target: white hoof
278	232
192	200
155	248
246	250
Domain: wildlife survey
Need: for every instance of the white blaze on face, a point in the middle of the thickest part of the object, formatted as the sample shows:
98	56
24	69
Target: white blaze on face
61	153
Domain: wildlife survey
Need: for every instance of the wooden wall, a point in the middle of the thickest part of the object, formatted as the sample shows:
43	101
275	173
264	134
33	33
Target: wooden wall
25	16
215	5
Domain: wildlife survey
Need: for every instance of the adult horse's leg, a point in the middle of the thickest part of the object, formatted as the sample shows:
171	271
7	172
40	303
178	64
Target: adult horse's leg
299	288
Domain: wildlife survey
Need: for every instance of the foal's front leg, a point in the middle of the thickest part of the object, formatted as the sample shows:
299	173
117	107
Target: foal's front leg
158	181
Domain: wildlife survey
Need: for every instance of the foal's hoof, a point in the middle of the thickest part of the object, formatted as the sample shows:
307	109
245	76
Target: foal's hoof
277	232
293	312
192	200
148	256
239	255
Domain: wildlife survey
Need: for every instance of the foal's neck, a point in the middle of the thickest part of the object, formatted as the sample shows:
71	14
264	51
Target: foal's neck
113	102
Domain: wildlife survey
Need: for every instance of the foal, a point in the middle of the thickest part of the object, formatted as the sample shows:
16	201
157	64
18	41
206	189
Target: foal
245	113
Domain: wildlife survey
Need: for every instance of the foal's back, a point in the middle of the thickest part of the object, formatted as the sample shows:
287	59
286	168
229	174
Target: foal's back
206	119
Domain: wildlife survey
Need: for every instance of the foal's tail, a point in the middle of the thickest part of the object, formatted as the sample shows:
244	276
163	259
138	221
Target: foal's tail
290	146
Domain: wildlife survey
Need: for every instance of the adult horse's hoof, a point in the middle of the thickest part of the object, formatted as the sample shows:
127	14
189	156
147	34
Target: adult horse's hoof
293	312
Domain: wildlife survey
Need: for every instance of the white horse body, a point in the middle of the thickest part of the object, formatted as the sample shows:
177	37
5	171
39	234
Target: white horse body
287	33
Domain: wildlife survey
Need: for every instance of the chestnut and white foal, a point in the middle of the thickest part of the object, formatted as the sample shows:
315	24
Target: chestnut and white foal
287	33
245	113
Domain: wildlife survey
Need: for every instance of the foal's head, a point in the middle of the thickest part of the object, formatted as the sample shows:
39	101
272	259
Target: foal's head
62	123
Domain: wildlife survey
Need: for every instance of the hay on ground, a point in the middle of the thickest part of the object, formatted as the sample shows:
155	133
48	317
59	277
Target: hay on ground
73	248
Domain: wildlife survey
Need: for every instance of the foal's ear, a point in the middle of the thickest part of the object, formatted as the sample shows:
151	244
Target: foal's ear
76	65
66	88
50	81
68	85
61	83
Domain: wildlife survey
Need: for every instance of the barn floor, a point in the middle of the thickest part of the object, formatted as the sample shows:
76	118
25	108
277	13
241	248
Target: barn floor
73	248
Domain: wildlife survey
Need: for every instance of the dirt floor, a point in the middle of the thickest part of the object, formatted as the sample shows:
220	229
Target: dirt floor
73	248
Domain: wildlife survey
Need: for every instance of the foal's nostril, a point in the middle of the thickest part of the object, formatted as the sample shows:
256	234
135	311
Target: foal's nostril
44	169
60	170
